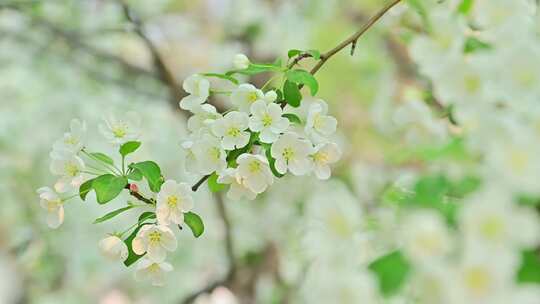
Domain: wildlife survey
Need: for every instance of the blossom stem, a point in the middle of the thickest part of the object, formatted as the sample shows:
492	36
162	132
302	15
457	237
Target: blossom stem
199	183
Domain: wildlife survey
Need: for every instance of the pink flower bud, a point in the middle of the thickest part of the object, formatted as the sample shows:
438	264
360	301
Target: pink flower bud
133	188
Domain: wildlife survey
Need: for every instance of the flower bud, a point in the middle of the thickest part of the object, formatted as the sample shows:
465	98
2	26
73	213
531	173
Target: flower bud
133	188
113	248
241	62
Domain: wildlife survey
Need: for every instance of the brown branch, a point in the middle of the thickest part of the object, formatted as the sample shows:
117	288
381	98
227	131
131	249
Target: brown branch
138	196
195	187
353	38
229	243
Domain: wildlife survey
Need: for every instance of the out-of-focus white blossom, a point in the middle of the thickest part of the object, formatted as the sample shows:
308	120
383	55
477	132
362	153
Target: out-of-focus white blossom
72	141
240	62
70	169
113	248
53	204
220	295
119	130
325	155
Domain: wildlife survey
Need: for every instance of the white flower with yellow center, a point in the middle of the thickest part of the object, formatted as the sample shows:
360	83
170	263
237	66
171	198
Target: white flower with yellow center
209	154
319	125
153	271
203	117
155	240
53	204
73	141
325	155
232	130
237	189
492	219
255	172
113	248
173	200
246	94
292	154
70	169
199	89
121	130
266	119
240	62
425	237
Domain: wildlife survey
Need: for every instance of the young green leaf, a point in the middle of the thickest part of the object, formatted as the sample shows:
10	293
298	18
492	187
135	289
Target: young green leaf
85	188
148	215
391	270
108	186
151	171
303	77
293	52
132	256
292	94
102	157
529	271
314	53
473	44
213	184
129	147
195	223
112	214
465	6
222	76
135	175
292	118
254	69
272	161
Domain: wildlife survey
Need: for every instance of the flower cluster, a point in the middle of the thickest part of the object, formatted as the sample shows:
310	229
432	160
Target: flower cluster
265	136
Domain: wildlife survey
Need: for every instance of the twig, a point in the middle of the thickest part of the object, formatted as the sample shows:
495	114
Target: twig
195	187
229	243
138	196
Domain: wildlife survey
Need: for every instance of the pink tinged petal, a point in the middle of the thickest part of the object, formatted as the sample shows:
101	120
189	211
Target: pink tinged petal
138	245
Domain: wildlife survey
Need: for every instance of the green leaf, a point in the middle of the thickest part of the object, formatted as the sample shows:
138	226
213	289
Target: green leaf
112	214
272	161
135	175
254	69
292	94
293	52
465	6
195	223
391	271
102	157
132	256
129	147
108	187
473	44
151	171
303	77
213	184
148	215
314	53
222	76
85	188
529	271
292	118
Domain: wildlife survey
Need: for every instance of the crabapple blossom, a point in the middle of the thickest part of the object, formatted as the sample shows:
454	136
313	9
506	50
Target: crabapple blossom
199	89
231	129
154	271
203	117
319	125
209	154
121	130
247	94
53	204
72	141
292	154
70	169
325	155
255	172
173	200
113	248
266	119
237	189
155	240
241	61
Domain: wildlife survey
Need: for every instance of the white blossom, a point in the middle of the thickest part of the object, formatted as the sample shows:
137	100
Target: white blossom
121	130
72	141
173	200
292	154
70	169
53	204
319	125
155	240
209	154
241	62
247	94
148	269
325	155
255	172
267	119
232	130
237	189
199	89
113	248
203	117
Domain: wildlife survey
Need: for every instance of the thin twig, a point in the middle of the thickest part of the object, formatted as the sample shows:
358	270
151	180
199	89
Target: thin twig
195	187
